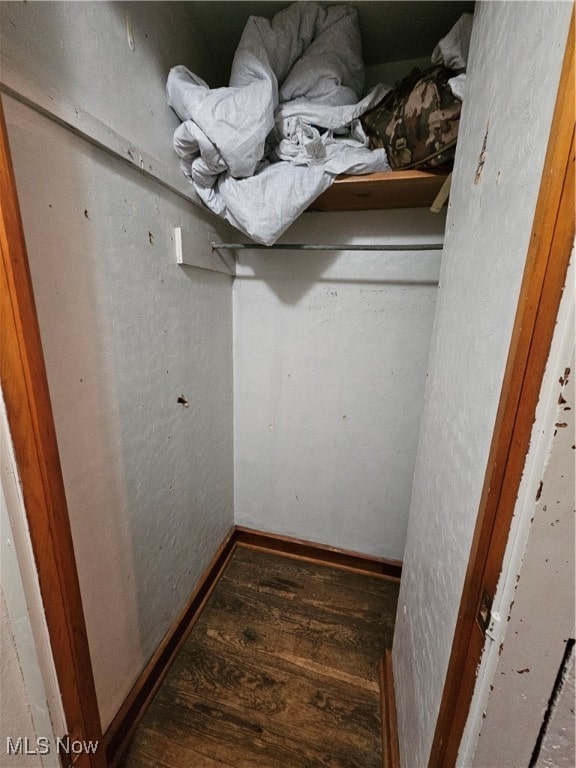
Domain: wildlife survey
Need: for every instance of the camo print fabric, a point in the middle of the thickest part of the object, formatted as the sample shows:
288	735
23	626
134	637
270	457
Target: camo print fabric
417	123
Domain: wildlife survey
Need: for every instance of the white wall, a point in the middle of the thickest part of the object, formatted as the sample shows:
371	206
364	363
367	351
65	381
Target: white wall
330	363
30	705
15	716
80	50
516	56
125	331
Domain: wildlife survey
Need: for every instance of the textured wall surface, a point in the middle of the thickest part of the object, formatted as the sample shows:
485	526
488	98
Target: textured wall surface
30	704
81	51
330	363
516	55
15	716
126	331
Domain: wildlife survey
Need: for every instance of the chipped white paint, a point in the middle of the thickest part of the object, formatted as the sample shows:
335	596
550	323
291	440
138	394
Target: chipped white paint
537	586
330	362
125	332
516	56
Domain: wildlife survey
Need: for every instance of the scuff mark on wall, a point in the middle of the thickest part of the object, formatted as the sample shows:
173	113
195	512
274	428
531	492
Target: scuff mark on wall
482	158
539	491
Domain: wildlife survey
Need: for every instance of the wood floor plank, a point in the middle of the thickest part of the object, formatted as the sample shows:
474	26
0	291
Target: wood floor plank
250	632
152	748
248	562
300	655
320	592
282	696
280	671
325	630
221	735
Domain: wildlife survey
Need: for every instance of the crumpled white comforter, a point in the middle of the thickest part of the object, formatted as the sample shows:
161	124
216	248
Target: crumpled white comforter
452	52
261	150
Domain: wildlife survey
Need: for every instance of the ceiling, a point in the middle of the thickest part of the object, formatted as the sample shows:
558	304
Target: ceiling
392	30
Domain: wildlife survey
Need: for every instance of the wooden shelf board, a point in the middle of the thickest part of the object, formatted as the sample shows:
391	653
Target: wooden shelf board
394	189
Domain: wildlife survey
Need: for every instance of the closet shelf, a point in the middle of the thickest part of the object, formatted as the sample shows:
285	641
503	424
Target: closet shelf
395	189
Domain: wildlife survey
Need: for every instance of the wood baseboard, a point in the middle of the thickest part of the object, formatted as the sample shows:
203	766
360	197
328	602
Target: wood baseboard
318	553
390	749
121	729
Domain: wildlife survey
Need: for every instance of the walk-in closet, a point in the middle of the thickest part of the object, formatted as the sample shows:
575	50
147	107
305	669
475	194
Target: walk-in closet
329	399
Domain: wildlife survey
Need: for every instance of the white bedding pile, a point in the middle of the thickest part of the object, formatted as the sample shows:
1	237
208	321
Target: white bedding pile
452	52
261	150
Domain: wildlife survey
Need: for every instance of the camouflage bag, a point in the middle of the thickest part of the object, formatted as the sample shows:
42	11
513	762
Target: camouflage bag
417	122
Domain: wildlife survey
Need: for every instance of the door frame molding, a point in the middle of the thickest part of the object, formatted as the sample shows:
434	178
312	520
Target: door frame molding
549	250
32	430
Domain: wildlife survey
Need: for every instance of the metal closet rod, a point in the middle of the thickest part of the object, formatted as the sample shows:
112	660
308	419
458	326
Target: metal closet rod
321	247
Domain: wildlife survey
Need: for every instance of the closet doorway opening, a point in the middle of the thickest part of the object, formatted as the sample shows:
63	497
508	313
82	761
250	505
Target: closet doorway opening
43	484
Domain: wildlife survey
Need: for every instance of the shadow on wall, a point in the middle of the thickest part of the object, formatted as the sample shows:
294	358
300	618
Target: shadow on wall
289	274
330	361
292	275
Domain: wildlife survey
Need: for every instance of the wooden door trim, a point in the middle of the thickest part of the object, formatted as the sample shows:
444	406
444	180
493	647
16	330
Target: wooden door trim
388	715
544	277
25	389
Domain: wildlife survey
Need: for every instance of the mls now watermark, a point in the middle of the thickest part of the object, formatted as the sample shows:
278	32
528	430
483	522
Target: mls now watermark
45	746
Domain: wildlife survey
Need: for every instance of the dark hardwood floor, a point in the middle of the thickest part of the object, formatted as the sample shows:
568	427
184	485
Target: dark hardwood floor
280	671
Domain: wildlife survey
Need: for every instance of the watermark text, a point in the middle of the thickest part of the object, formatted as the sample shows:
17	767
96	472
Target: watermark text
42	745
